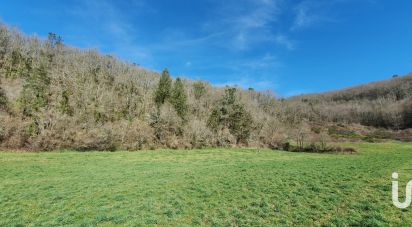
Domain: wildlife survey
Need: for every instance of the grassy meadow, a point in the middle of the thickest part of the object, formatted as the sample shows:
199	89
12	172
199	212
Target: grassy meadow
221	187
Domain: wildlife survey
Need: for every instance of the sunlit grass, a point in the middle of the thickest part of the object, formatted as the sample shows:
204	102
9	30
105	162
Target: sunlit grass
235	187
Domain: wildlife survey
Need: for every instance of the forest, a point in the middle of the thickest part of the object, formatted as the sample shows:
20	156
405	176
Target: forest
53	96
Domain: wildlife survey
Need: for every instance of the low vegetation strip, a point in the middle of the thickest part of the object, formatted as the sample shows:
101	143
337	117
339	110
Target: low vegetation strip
237	187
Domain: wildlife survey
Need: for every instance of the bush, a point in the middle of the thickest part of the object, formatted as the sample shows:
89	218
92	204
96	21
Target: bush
276	141
314	148
166	124
14	134
320	141
135	135
51	131
340	131
95	139
224	138
404	135
198	134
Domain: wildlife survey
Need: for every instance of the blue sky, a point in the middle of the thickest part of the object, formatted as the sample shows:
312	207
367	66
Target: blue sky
288	46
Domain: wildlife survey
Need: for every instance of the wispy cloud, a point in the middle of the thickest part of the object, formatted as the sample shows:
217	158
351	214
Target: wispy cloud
246	22
112	28
305	15
259	73
309	13
243	34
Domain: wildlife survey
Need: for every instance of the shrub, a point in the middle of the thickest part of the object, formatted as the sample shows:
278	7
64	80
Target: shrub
349	150
198	134
320	141
276	142
166	124
340	131
134	135
313	148
53	130
94	139
404	135
224	138
14	135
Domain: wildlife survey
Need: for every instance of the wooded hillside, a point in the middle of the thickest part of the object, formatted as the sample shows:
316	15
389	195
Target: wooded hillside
53	96
386	104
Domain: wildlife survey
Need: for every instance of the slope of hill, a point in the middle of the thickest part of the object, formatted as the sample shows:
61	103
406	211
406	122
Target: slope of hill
399	87
385	104
53	96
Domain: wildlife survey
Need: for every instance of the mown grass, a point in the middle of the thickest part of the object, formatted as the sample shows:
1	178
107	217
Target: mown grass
222	187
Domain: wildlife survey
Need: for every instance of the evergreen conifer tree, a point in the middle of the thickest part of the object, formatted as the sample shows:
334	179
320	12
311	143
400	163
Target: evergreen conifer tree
164	89
179	98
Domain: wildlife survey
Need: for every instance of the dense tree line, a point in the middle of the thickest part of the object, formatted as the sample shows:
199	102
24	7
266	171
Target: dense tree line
53	96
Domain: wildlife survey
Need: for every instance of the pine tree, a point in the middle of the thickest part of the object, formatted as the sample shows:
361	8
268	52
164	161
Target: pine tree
163	91
199	89
240	123
179	98
230	96
34	95
231	114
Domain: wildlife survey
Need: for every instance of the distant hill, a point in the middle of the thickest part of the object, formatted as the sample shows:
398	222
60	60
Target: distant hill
399	88
385	103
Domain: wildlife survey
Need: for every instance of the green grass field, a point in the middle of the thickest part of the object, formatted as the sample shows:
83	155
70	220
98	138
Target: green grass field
222	187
